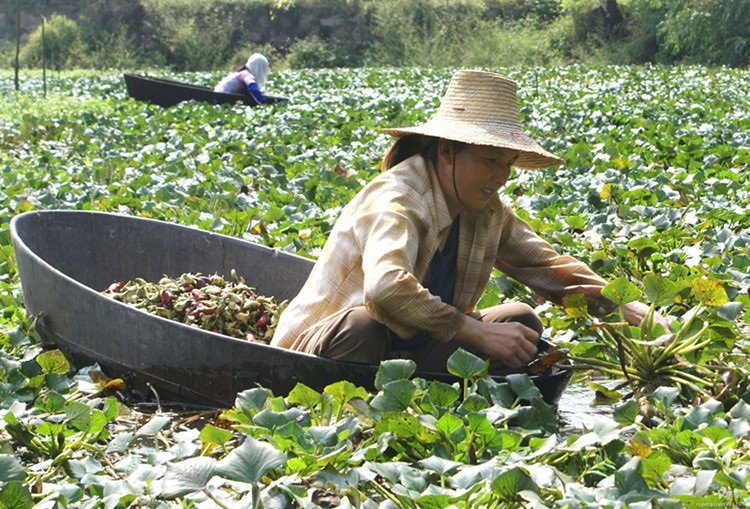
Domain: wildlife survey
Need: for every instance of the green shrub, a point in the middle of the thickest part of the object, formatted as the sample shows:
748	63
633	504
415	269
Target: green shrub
198	34
62	47
543	10
421	32
313	53
714	32
7	54
118	50
642	20
513	43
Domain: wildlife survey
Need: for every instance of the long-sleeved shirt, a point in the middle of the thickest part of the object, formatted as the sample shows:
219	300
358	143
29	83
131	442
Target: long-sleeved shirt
380	248
240	82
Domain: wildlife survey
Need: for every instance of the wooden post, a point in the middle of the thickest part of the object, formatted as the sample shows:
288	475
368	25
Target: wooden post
44	60
18	42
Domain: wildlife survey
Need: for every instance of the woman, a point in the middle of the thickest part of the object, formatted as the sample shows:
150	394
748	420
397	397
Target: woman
249	78
411	254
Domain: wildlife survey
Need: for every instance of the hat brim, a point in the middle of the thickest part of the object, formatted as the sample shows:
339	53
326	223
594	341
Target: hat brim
531	155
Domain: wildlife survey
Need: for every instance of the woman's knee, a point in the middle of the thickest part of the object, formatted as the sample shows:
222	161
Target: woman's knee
358	337
514	312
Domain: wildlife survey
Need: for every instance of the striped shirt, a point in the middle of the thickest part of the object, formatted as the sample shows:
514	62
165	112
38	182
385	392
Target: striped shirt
380	248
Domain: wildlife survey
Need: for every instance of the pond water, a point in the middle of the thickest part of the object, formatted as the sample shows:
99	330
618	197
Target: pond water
575	410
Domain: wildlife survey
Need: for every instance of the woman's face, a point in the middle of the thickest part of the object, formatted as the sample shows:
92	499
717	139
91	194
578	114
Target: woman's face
480	171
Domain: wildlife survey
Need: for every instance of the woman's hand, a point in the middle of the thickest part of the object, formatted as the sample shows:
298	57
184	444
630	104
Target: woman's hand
511	343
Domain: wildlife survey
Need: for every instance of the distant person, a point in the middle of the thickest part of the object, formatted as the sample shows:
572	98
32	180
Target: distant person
249	78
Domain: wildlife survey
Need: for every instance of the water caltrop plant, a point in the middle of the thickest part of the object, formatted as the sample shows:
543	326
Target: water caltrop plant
688	356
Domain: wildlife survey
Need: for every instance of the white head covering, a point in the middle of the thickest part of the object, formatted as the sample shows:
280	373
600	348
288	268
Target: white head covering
258	66
481	108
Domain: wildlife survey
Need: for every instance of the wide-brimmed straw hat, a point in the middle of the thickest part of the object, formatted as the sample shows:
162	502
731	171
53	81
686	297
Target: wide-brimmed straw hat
481	108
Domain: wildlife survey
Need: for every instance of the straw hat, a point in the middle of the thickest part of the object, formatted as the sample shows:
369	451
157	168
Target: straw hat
481	108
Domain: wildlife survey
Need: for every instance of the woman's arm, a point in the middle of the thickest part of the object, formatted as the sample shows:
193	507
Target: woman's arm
256	92
525	256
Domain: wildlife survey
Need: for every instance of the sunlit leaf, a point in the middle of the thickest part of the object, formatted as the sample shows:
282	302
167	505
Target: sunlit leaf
654	466
396	396
210	434
153	426
400	424
603	394
303	395
50	402
440	465
53	361
641	449
621	291
626	413
452	427
78	415
465	364
659	290
15	495
394	369
250	461
575	305
254	399
343	391
187	476
442	395
710	292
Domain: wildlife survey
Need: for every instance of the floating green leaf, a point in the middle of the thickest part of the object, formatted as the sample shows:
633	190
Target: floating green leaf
250	461
508	484
187	476
465	364
396	396
621	291
11	469
53	362
16	495
394	369
659	290
210	434
303	395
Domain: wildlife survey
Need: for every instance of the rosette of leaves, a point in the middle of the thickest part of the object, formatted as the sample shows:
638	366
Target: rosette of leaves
648	357
211	303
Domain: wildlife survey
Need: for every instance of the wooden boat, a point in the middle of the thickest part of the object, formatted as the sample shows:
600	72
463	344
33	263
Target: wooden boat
168	92
66	258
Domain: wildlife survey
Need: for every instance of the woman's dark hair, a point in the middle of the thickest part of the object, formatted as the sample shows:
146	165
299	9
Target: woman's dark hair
407	146
411	144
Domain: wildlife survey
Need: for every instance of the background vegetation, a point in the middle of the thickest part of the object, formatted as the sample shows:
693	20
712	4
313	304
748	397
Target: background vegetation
203	35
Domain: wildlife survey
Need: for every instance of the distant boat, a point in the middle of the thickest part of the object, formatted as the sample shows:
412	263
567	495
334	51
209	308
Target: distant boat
66	258
168	92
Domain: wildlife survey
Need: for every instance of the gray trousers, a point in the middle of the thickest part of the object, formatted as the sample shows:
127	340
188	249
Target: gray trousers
355	336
